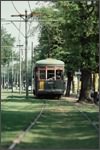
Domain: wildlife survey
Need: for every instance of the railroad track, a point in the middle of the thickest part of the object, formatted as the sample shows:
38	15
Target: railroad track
84	114
20	136
59	104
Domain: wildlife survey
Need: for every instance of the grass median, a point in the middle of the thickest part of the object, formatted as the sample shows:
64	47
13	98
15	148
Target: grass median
61	125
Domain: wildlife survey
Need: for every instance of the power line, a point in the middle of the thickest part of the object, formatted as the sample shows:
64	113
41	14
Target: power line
29	6
8	46
18	28
32	20
15	8
26	19
35	20
12	21
30	12
29	26
34	30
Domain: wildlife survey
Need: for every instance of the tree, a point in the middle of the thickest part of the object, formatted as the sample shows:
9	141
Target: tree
51	36
89	41
7	42
81	39
56	42
76	34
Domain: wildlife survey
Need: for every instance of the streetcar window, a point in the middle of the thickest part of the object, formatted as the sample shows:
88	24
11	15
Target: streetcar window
50	74
59	74
42	74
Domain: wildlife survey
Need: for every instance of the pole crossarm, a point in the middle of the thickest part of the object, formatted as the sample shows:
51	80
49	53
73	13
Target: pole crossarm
28	15
20	15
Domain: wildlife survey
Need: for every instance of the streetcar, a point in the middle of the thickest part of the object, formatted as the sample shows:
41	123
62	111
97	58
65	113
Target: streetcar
49	78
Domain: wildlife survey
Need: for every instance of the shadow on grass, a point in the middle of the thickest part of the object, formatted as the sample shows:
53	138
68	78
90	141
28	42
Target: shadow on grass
53	129
19	98
16	120
56	143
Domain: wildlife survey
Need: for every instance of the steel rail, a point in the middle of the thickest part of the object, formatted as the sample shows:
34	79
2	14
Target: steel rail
84	114
19	138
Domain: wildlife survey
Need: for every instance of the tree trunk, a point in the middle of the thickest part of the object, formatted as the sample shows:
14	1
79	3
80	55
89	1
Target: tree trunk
8	77
85	85
69	81
93	81
73	87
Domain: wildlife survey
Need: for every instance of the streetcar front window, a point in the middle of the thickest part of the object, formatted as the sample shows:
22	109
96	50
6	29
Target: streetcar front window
59	74
42	74
50	74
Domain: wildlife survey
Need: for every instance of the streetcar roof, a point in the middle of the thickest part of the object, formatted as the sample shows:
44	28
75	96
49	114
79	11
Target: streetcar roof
50	61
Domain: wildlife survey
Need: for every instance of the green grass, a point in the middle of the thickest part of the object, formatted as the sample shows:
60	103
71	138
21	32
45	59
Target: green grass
16	115
61	125
58	130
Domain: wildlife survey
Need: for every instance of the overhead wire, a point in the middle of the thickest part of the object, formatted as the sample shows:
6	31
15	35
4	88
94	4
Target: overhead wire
18	29
34	30
29	6
16	9
23	18
36	2
32	21
31	13
19	33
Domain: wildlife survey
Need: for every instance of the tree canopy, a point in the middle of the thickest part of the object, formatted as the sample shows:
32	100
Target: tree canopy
7	42
71	34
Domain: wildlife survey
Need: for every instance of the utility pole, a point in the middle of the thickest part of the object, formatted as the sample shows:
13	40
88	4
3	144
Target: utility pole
32	67
26	44
8	77
12	71
4	78
26	19
20	76
22	69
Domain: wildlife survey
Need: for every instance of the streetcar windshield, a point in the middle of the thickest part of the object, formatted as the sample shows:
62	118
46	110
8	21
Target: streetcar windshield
59	74
42	74
50	74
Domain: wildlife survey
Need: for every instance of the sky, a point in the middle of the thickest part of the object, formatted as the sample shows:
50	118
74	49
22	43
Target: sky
9	8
